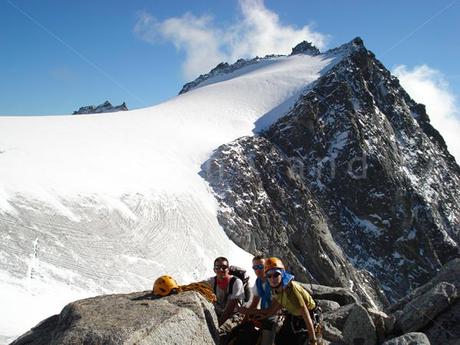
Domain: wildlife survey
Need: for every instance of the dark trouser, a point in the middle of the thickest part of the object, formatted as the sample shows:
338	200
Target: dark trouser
293	332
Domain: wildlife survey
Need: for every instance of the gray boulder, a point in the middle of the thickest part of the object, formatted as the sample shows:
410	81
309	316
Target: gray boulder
450	273
186	318
342	296
409	339
338	317
445	329
384	323
327	306
359	329
332	334
419	312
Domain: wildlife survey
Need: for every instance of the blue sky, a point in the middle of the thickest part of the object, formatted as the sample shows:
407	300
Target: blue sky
56	56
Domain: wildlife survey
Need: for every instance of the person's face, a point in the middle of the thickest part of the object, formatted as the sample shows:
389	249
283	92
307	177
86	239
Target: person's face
258	267
221	268
274	278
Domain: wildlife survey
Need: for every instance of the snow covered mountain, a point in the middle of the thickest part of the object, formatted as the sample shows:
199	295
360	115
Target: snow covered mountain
353	186
318	158
105	203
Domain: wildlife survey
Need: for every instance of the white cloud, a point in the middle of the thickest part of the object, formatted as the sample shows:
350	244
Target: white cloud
430	87
258	32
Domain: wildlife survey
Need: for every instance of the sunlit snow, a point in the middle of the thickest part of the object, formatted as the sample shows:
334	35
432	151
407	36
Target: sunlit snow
105	203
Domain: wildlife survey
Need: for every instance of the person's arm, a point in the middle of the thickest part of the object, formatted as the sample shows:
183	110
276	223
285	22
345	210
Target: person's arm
228	311
308	321
272	310
252	307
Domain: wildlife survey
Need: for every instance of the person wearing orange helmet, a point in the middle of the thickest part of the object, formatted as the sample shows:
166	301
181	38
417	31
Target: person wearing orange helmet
290	295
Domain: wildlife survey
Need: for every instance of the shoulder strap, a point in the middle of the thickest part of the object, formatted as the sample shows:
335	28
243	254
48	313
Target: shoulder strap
260	290
230	285
215	288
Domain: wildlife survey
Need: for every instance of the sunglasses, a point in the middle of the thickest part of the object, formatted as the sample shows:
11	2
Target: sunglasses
221	267
258	267
273	275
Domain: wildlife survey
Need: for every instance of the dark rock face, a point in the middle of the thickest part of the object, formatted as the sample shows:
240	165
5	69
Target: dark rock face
445	328
266	205
105	107
433	308
409	339
305	48
353	184
420	312
186	318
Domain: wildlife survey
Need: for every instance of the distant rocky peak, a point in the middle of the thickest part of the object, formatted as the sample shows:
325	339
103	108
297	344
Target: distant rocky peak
305	47
221	69
105	107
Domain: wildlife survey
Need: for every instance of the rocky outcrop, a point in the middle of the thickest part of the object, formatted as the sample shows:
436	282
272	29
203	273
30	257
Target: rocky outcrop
352	187
422	310
305	48
359	327
186	318
105	107
433	308
409	339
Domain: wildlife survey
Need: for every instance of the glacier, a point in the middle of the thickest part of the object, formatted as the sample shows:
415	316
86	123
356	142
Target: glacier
105	203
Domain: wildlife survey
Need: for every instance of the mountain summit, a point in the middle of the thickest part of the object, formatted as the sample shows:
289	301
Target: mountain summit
352	186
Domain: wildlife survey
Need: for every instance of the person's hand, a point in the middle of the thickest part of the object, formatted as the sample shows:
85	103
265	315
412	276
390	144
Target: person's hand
242	310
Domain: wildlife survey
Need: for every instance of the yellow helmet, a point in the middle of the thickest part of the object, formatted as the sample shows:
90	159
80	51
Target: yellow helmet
271	263
164	285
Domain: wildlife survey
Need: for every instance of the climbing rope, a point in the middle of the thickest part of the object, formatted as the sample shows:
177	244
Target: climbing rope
204	289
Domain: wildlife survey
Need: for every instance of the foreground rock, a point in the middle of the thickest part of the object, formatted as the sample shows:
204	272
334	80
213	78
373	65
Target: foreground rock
433	311
422	310
433	308
409	339
359	327
186	318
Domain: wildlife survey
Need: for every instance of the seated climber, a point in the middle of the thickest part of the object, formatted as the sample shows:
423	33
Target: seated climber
227	288
299	304
261	301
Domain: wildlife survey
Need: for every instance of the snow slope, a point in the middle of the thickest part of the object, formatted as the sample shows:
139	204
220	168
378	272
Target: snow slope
105	203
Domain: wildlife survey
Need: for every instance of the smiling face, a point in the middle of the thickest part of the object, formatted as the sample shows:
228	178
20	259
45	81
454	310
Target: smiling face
221	268
258	267
274	277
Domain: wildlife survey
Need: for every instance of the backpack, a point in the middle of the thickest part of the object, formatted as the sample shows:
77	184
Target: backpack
237	272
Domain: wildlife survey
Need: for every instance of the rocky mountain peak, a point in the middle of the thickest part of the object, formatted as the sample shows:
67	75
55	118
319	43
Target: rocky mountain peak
305	47
352	186
105	107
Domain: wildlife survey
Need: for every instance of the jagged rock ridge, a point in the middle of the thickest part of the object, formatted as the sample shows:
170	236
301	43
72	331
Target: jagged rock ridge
105	107
225	68
353	185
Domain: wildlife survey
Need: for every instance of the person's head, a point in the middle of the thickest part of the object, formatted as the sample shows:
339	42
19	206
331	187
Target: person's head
258	264
221	267
274	269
